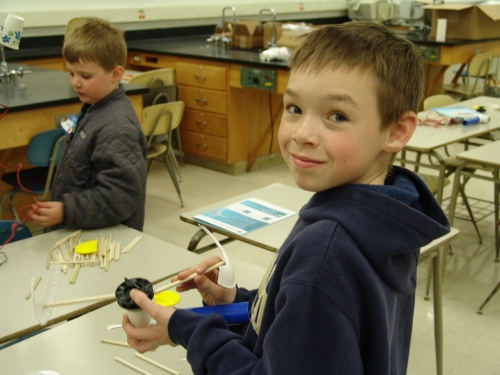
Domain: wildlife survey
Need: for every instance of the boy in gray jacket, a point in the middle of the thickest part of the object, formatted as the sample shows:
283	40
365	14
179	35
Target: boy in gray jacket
101	176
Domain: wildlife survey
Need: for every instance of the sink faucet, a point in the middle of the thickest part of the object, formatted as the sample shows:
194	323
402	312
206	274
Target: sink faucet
271	43
224	39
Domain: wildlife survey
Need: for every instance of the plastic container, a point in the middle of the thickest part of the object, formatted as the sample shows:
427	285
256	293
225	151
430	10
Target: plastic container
470	121
137	316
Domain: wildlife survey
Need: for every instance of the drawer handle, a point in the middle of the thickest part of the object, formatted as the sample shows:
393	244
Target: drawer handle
201	124
201	101
202	146
201	78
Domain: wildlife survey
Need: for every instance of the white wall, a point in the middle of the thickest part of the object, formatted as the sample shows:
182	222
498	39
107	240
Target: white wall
49	17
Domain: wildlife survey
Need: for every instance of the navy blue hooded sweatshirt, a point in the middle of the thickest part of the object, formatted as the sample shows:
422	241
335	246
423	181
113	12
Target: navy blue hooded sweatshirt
339	297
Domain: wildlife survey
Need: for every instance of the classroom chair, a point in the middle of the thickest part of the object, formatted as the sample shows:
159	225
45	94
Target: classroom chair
21	231
154	78
162	89
158	120
477	68
44	151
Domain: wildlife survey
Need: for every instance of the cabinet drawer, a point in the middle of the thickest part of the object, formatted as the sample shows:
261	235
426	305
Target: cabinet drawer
204	122
201	75
203	145
202	99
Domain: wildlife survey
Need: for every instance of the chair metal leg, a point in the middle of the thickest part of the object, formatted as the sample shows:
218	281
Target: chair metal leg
493	292
170	168
469	210
179	145
195	240
176	165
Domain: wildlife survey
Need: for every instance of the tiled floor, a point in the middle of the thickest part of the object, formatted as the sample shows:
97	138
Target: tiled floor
471	341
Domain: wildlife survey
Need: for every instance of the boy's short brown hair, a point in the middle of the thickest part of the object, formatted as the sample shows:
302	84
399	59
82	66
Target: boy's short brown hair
395	62
96	41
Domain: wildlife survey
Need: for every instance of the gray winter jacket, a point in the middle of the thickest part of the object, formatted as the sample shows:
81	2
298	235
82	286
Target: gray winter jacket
101	176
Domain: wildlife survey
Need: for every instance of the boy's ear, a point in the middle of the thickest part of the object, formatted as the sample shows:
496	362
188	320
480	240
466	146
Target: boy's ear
117	73
401	133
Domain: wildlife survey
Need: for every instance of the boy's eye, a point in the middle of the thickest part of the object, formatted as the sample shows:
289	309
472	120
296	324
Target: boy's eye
294	110
338	117
85	76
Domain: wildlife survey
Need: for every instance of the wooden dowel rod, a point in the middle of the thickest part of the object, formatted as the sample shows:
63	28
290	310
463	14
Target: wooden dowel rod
65	239
189	278
74	262
37	281
132	244
75	273
105	341
79	300
140	370
157	364
109	296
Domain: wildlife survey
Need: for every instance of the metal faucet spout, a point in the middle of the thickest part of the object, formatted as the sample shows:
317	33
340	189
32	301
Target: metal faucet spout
272	43
224	39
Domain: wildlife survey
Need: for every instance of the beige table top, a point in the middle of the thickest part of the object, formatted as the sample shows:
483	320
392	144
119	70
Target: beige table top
151	258
272	236
428	138
489	154
75	348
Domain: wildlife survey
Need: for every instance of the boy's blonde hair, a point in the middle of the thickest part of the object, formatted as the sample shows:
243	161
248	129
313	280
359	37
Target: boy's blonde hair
395	62
96	41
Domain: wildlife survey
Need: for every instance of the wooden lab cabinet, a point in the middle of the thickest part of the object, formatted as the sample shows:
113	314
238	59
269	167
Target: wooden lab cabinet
203	88
225	127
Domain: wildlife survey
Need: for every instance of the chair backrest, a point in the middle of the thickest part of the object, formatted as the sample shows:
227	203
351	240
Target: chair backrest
162	118
480	65
46	147
159	95
436	101
20	233
154	78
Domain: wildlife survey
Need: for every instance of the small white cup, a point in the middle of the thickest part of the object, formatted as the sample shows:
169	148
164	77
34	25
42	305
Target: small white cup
11	31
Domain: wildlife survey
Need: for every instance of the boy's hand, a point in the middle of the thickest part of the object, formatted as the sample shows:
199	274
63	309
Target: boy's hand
150	337
210	291
47	213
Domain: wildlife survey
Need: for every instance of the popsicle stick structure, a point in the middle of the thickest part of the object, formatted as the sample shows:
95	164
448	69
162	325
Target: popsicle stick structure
71	251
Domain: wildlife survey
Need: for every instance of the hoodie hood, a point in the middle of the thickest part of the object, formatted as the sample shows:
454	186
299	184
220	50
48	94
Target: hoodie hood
390	242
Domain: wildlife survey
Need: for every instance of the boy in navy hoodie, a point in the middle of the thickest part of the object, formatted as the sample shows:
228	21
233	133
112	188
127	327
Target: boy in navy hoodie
339	296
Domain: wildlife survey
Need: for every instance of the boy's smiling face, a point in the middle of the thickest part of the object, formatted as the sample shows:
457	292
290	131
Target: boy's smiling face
330	132
91	82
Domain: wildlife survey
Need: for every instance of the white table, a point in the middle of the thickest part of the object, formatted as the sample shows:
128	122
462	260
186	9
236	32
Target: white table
270	237
486	156
151	258
426	139
74	347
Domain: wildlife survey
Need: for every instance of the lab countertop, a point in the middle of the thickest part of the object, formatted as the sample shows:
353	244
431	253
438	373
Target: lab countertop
198	47
44	88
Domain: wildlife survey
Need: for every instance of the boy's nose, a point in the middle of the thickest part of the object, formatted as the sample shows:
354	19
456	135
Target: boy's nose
306	132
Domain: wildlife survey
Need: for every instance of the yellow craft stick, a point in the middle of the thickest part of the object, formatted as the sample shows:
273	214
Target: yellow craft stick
132	366
157	364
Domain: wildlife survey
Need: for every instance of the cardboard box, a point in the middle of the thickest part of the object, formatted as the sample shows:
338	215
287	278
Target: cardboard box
248	35
291	38
466	21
